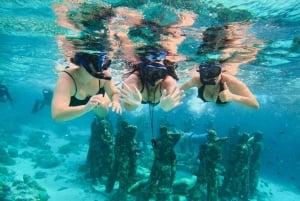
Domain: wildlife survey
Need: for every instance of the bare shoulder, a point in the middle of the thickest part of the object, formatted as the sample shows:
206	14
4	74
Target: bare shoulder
169	82
67	77
229	78
195	80
232	81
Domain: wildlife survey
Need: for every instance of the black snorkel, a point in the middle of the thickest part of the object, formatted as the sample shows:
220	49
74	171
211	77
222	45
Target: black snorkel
97	72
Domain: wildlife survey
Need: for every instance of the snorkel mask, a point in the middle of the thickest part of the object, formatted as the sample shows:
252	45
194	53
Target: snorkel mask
97	68
156	56
208	73
154	72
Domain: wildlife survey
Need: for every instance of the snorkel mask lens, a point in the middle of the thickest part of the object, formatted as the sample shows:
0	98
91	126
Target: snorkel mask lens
156	56
210	71
103	62
96	70
153	73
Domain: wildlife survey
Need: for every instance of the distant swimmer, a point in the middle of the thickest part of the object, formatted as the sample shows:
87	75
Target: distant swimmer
5	95
39	104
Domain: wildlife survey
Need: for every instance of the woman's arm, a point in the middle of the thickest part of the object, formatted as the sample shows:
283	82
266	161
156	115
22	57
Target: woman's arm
61	111
193	82
236	90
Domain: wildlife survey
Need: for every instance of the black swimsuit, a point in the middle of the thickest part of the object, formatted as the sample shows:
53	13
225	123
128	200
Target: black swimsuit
148	102
201	94
75	101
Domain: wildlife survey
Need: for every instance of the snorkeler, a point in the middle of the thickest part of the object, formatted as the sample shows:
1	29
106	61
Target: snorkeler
219	87
39	104
85	87
5	95
152	81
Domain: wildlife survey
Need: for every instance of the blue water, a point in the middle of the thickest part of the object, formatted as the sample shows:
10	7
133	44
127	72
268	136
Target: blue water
29	54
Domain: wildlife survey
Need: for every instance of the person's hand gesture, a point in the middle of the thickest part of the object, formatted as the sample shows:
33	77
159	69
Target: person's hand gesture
171	100
226	95
116	107
130	95
99	104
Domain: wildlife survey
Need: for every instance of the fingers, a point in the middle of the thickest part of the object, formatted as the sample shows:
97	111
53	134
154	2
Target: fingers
179	95
127	91
129	88
175	94
125	86
130	94
116	107
225	86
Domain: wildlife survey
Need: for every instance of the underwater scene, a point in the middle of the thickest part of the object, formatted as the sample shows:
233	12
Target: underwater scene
123	100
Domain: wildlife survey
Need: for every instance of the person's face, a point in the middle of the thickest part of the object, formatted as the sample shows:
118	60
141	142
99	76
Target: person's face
210	75
154	74
96	67
212	81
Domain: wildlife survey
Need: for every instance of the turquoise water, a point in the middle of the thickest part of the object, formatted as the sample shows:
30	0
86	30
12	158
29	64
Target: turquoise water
29	53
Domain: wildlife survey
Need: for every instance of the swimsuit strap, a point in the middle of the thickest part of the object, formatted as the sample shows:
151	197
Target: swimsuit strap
73	81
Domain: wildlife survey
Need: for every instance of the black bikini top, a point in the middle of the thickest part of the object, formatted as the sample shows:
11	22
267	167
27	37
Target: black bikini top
201	94
76	102
148	102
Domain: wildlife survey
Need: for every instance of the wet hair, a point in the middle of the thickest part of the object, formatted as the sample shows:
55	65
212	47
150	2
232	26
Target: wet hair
148	32
90	19
214	39
89	15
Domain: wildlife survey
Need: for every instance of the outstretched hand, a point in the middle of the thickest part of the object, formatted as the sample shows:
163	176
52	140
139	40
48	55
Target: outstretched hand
116	107
130	95
171	100
96	101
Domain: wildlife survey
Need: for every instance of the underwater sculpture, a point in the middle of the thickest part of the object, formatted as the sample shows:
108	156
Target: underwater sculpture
125	160
159	184
256	143
210	156
236	179
100	154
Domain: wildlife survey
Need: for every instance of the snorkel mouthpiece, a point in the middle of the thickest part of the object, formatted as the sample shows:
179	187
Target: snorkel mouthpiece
154	72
